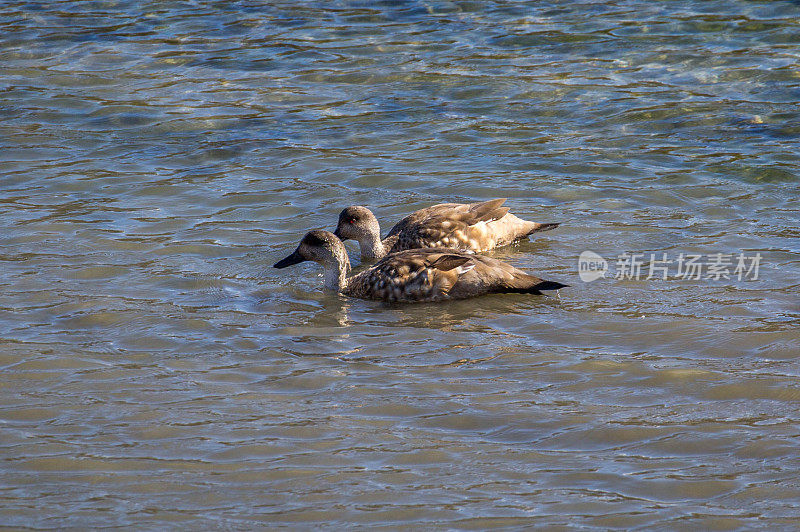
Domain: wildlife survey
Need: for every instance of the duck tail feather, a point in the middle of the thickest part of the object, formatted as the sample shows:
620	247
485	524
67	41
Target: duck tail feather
532	285
544	227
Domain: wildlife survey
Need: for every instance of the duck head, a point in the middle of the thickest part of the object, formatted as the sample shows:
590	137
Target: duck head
357	223
318	246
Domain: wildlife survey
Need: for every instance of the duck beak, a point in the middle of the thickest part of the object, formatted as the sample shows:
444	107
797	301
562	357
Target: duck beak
338	235
294	258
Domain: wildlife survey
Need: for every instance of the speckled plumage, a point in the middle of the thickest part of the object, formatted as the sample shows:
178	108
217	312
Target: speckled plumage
415	275
475	227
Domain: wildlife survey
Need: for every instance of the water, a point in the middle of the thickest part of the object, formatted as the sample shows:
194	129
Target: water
158	157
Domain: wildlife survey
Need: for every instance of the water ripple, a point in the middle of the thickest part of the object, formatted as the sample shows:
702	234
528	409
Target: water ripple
158	158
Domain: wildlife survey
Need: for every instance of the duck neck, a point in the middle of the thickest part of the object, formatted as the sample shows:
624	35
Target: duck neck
372	248
336	272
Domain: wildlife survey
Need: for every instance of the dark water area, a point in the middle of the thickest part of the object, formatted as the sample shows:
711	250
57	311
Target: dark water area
156	158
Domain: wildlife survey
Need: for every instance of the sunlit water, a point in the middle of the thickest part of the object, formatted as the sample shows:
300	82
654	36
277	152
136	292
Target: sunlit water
158	157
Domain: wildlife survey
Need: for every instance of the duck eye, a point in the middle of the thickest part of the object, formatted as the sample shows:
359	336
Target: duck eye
351	221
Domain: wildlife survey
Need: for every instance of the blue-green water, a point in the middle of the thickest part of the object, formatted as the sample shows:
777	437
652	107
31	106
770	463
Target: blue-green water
157	157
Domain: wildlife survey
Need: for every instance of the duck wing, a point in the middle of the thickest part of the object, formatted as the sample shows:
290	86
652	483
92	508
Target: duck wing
489	275
447	225
464	213
411	275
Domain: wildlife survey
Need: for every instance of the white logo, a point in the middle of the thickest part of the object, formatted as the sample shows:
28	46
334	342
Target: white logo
591	266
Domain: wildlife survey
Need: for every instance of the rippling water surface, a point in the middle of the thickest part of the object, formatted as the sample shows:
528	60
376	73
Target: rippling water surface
158	157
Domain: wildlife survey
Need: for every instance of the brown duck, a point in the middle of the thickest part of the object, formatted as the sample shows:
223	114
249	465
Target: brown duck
414	275
473	227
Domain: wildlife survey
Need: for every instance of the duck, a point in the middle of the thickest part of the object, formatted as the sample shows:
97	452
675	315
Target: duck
476	227
414	275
